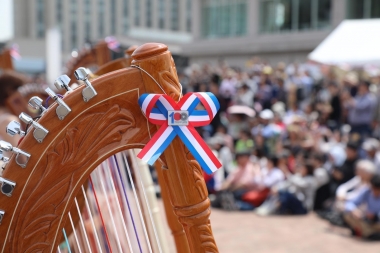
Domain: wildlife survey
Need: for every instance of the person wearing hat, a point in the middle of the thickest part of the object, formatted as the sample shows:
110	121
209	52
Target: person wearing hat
371	147
269	131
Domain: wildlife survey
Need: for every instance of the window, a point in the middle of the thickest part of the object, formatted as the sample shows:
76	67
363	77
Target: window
73	23
87	20
59	7
358	9
161	14
188	15
137	13
224	18
174	15
149	13
113	17
294	15
40	19
125	16
101	18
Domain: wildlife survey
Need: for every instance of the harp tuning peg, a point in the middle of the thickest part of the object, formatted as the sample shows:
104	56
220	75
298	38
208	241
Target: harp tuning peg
13	128
22	157
7	186
36	103
89	92
62	109
3	158
2	212
62	82
39	132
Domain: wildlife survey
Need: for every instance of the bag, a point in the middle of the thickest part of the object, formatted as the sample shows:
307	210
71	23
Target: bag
256	197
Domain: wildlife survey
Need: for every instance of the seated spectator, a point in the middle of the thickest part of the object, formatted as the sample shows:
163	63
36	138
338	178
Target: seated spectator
224	154
240	181
365	222
322	179
365	170
244	95
269	176
371	147
345	172
245	141
297	195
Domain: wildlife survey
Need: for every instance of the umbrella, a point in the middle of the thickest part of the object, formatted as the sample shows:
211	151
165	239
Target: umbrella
241	109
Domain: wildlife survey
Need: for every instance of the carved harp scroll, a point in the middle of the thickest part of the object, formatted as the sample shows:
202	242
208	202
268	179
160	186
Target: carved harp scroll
109	123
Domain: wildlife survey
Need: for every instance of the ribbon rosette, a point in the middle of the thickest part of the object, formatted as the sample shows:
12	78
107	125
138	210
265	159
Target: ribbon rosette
159	108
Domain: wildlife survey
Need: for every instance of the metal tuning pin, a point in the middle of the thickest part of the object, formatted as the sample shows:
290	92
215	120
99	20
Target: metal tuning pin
62	109
7	186
14	128
62	82
3	158
36	103
39	132
22	157
2	212
82	75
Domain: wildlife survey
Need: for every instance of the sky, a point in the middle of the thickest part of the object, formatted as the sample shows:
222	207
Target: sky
6	20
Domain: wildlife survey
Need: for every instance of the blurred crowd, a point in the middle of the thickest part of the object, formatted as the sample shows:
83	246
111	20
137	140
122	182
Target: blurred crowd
294	139
291	138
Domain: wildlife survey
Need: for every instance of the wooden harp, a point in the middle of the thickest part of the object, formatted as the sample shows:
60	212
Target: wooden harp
6	60
44	190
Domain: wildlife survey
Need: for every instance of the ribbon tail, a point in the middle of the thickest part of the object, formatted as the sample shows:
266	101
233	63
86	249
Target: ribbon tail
157	145
198	148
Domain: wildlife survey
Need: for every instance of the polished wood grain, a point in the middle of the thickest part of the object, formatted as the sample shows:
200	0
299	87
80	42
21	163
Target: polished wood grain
174	225
6	60
109	123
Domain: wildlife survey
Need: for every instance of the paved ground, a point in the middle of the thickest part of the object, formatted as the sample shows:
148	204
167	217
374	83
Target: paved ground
246	232
239	232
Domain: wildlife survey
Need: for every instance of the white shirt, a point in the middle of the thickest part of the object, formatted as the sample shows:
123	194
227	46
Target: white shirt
351	189
268	178
321	176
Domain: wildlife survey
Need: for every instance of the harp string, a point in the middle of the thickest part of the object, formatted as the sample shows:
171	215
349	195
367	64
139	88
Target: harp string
67	240
75	233
127	200
111	180
59	250
137	202
134	162
109	210
113	176
100	215
83	227
92	220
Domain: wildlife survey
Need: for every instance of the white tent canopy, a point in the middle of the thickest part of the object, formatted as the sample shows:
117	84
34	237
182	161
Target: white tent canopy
353	42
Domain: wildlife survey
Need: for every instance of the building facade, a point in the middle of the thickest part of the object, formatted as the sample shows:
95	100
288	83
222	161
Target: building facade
81	21
277	30
203	30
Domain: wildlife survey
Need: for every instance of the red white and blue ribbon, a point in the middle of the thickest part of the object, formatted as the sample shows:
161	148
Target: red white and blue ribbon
156	107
